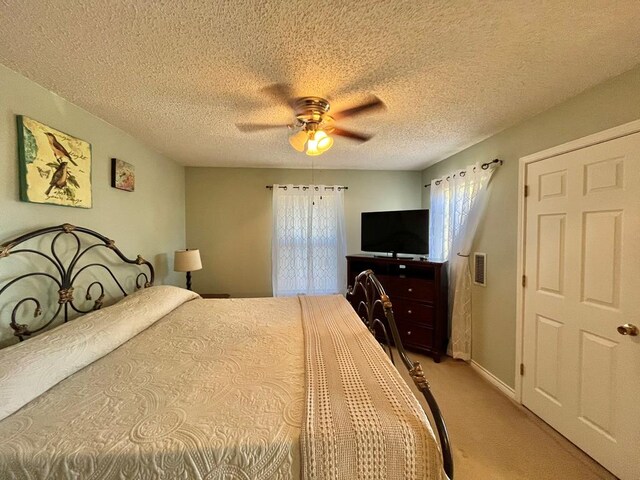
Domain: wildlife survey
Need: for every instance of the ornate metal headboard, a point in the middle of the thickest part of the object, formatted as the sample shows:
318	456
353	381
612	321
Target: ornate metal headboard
369	300
63	273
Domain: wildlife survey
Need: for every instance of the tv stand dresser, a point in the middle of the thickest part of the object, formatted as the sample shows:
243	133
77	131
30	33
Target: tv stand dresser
418	293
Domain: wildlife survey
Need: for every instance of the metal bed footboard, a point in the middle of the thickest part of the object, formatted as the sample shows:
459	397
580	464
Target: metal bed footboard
369	300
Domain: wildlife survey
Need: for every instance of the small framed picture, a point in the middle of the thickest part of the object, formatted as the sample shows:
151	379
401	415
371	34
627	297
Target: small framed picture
123	175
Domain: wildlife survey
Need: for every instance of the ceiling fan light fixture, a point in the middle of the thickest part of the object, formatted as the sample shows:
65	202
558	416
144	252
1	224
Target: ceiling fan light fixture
298	140
323	141
312	147
319	142
313	124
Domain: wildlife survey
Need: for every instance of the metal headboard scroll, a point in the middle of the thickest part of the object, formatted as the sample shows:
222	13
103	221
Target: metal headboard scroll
66	273
367	296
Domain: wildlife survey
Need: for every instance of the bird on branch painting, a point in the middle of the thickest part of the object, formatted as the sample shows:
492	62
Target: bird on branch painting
55	167
59	179
62	179
58	149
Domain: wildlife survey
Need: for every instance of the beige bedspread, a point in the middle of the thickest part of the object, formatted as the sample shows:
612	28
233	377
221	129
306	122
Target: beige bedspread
215	390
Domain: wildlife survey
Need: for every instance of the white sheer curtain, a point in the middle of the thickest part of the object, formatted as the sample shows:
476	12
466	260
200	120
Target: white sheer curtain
457	204
308	242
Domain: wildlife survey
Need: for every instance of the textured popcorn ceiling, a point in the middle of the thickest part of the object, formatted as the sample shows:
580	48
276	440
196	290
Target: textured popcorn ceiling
179	74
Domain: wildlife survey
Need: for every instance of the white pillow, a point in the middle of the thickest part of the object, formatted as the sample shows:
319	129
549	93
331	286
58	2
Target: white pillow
32	367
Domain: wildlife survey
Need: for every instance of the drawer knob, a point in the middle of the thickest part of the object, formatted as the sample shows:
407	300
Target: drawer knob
409	312
410	289
409	332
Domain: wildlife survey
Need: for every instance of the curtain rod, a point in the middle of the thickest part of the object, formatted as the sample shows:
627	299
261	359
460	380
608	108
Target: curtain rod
484	166
304	187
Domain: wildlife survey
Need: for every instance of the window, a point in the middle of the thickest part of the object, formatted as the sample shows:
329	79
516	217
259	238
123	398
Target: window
452	200
309	242
457	203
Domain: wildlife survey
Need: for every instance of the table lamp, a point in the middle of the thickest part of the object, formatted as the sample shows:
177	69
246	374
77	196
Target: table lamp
187	261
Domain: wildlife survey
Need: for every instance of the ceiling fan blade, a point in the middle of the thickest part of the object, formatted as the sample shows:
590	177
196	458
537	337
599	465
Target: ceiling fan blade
281	92
360	137
256	127
371	105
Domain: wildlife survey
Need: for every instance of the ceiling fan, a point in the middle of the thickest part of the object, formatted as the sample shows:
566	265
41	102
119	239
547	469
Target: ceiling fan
313	124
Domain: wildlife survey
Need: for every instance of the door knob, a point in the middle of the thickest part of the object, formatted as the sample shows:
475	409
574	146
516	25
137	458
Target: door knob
628	329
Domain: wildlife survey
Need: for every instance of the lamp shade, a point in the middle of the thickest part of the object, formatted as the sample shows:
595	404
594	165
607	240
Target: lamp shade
323	141
312	148
187	261
298	140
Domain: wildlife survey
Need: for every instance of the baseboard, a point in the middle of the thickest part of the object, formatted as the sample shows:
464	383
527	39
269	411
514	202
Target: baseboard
495	381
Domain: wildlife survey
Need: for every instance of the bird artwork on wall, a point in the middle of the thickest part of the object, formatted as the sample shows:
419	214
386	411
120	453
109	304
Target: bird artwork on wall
58	149
123	175
59	179
55	167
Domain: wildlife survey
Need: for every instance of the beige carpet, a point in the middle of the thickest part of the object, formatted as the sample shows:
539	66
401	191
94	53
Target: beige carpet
493	437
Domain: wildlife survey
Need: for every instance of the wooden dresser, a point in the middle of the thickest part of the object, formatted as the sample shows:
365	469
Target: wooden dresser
418	292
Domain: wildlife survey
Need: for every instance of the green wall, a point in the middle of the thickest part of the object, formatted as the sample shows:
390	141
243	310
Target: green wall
609	104
229	218
149	221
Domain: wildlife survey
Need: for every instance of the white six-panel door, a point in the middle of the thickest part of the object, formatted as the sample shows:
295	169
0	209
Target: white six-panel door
582	267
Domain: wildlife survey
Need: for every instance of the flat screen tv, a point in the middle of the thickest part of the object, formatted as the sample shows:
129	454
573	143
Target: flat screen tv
403	231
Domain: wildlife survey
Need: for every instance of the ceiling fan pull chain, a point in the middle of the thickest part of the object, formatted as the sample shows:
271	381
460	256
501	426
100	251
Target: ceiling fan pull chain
313	183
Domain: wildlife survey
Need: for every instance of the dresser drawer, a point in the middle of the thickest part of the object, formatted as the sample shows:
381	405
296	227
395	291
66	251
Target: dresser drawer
415	336
408	287
412	311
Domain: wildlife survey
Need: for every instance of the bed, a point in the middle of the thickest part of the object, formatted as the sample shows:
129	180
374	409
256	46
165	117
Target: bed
165	384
